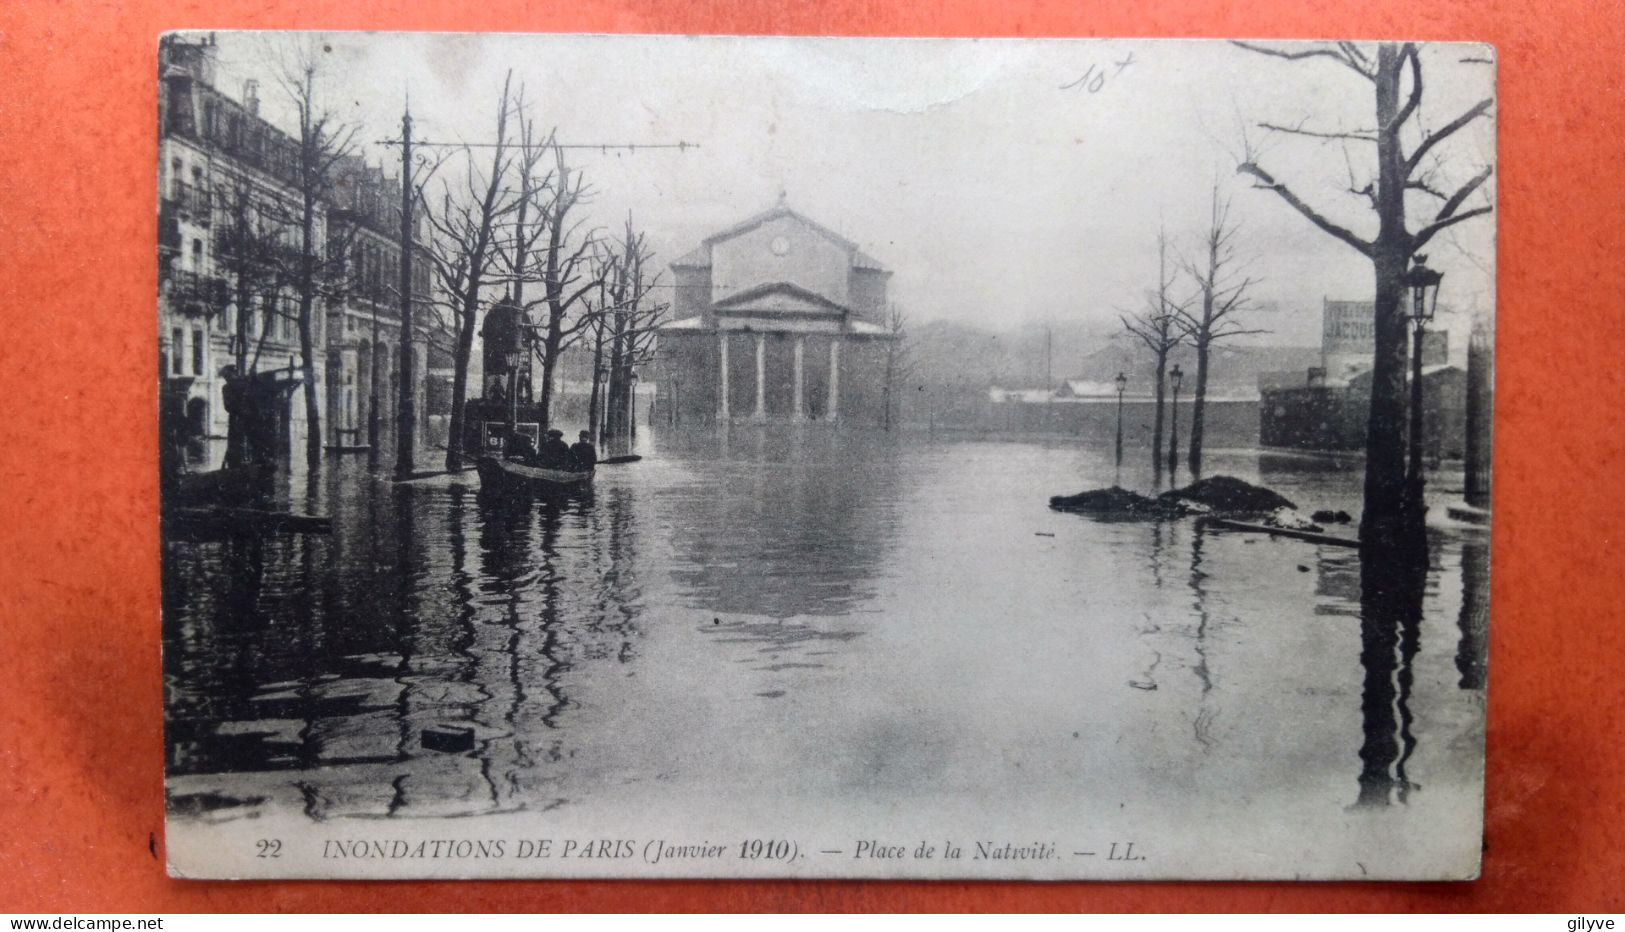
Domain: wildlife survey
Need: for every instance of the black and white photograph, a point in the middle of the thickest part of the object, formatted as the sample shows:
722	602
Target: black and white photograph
750	457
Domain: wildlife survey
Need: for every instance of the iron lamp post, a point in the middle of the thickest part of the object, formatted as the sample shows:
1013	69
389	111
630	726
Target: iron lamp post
1122	383
1424	286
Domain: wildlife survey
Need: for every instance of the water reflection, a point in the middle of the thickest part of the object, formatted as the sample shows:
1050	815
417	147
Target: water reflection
1392	586
784	523
818	614
425	609
1472	651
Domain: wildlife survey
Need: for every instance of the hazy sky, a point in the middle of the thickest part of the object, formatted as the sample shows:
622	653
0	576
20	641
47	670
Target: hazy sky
995	195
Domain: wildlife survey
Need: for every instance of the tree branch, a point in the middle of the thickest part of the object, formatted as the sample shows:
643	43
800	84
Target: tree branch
1427	232
1447	215
1415	100
1477	110
1358	135
1270	184
1341	56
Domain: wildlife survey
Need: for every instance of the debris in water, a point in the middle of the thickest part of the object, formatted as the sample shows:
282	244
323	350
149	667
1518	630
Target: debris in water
1220	496
449	738
1112	502
1290	519
1229	496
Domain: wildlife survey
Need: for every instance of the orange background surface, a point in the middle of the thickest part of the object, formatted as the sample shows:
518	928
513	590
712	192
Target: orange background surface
81	760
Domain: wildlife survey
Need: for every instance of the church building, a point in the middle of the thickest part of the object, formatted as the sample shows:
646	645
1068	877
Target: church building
776	318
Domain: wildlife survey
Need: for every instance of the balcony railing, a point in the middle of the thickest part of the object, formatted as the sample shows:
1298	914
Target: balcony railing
197	295
192	202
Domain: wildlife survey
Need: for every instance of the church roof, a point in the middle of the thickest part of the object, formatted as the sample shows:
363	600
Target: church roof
791	289
700	257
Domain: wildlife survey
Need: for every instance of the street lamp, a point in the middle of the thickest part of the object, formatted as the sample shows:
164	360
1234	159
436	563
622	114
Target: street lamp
511	358
1173	433
1424	285
1122	383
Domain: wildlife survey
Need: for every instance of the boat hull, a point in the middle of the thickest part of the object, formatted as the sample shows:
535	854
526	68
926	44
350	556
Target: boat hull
507	475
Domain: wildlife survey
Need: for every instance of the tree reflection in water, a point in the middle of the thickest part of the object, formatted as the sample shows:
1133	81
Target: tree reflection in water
1472	651
330	655
1392	585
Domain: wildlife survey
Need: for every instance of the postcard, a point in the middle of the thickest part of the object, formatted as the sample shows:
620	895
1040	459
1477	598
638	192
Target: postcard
750	457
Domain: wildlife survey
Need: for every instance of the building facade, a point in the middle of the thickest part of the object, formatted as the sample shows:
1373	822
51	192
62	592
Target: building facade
777	318
363	324
229	232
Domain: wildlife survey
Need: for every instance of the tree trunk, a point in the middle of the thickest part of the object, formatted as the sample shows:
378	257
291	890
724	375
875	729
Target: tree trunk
594	404
550	360
616	428
1389	519
1198	408
1156	423
236	428
313	413
459	381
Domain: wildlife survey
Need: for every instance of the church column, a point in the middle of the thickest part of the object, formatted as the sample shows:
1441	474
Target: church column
833	410
722	404
798	411
761	376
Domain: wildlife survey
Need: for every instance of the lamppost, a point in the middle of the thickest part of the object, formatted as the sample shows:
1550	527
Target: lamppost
1424	285
512	358
1175	376
1122	383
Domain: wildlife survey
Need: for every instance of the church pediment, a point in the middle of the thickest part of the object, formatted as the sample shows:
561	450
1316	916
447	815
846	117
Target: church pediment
779	298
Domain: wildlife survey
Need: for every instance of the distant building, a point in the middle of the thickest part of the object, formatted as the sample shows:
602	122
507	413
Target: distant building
1349	339
1326	407
774	318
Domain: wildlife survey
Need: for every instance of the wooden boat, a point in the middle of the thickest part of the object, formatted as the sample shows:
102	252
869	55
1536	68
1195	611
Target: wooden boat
220	486
511	475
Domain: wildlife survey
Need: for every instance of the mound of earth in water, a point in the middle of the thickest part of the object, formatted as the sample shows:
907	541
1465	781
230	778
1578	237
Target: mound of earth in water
1114	502
1228	496
1224	496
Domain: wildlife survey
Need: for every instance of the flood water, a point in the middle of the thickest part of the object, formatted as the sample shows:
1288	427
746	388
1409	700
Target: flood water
774	621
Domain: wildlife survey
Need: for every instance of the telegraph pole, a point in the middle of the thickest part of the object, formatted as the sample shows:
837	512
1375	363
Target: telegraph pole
406	435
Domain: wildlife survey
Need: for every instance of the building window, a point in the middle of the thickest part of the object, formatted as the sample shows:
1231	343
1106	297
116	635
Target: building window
177	351
197	255
197	352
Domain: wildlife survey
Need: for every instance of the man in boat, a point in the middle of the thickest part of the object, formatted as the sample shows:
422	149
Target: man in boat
521	448
585	454
555	453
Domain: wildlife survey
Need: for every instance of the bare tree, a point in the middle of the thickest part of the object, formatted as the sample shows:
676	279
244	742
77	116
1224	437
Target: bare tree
316	267
565	268
631	319
1393	509
1221	289
465	249
249	246
898	365
1157	326
527	229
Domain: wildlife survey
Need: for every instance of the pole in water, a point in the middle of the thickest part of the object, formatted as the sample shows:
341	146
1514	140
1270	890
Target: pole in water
406	439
